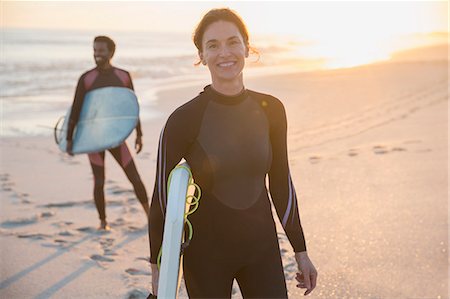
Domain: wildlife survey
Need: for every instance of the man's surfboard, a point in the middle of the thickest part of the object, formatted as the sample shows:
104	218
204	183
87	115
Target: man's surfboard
107	118
170	271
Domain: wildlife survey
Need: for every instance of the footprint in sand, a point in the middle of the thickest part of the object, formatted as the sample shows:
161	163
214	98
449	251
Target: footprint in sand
118	222
20	198
136	229
289	270
109	252
133	271
93	230
7	185
116	190
106	242
47	214
398	149
352	152
4	177
134	210
20	222
144	156
67	204
62	223
380	149
34	236
26	220
115	203
100	258
314	159
66	233
59	243
26	201
282	238
137	294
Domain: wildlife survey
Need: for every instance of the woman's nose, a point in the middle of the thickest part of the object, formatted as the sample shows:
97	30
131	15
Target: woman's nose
224	51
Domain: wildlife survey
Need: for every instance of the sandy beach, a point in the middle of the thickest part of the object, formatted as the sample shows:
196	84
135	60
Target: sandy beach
368	152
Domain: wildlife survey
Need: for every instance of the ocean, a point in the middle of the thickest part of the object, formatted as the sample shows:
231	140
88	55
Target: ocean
39	70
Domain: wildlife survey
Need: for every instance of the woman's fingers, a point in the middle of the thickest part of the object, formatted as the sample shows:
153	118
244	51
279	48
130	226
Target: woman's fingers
313	280
303	283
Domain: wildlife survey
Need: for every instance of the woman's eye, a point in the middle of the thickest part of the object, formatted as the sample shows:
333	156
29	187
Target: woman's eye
212	46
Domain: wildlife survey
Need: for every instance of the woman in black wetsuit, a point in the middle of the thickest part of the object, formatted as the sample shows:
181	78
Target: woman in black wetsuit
232	138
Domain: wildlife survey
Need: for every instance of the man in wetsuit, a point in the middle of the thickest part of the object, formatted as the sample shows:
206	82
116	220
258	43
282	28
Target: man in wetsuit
102	76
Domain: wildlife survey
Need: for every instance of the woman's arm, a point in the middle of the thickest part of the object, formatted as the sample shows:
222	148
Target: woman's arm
284	197
281	187
174	143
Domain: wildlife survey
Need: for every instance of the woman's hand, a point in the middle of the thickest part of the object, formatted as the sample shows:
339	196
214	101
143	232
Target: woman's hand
155	278
308	277
138	144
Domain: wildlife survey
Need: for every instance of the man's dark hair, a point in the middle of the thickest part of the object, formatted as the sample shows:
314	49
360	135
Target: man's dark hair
109	43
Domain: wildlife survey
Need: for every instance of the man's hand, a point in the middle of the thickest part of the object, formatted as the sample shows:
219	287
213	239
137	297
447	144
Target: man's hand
155	278
138	144
69	147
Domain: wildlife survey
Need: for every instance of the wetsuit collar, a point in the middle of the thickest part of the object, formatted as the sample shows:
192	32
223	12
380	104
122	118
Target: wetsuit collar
225	99
105	71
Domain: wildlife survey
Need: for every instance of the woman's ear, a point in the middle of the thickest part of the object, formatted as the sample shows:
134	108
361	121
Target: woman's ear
200	54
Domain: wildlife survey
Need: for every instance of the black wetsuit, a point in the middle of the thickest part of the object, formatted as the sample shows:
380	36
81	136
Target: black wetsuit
230	143
93	79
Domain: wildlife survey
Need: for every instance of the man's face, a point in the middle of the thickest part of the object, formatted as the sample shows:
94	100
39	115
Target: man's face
102	54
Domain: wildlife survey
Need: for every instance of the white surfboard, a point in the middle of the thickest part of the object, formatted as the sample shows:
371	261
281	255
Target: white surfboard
170	271
107	118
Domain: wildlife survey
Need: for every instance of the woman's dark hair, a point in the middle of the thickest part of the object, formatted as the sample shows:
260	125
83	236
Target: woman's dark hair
219	14
109	43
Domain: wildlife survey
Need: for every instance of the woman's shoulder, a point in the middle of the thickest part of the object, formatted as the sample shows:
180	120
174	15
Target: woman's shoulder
189	110
266	100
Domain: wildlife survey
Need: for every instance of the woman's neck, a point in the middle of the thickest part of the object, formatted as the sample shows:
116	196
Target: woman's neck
231	87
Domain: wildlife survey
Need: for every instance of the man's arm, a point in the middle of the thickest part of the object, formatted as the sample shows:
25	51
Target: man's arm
76	108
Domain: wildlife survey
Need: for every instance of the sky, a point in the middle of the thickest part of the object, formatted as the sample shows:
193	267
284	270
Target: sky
273	17
372	28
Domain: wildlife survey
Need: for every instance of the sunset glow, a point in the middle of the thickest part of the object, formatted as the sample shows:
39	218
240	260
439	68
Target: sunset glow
343	33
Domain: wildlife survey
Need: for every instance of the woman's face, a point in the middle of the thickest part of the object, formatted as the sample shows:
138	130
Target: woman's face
223	51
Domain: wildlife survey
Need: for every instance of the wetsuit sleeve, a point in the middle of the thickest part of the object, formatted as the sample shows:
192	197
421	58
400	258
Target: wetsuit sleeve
173	144
138	126
281	187
76	108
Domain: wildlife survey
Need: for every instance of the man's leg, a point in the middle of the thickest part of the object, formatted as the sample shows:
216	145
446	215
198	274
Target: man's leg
124	158
97	161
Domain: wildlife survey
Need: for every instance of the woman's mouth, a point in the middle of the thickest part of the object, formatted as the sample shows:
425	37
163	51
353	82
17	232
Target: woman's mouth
226	64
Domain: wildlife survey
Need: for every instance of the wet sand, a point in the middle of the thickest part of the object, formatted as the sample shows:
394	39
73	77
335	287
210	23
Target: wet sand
368	152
